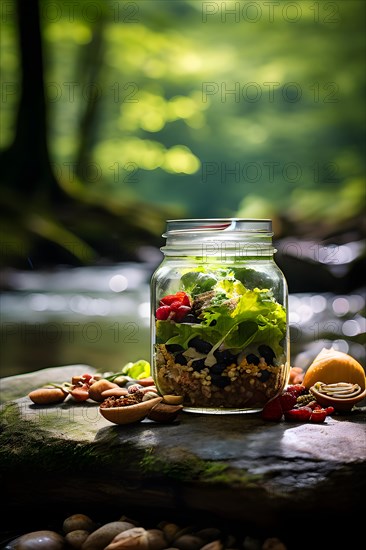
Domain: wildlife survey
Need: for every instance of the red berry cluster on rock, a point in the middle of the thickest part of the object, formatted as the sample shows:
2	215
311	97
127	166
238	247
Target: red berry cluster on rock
288	406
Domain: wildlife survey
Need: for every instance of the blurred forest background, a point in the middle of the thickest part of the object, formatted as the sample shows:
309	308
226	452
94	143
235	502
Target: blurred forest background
118	115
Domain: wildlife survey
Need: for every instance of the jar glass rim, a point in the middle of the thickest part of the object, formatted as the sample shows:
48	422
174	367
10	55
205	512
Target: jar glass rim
217	225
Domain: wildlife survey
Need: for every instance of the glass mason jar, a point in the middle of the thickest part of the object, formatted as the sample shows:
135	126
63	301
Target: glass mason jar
219	316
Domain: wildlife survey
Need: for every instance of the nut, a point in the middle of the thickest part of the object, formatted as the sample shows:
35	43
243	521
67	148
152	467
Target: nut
149	395
47	396
114	392
96	389
164	413
173	399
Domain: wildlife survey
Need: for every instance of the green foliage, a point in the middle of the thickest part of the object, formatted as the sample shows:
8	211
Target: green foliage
253	113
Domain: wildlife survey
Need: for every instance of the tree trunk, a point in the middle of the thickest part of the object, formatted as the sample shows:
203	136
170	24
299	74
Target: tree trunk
26	163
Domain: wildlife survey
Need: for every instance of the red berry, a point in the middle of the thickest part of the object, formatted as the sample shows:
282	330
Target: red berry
181	312
287	400
272	410
298	415
162	313
174	306
87	377
296	389
184	298
318	415
168	300
330	410
180	297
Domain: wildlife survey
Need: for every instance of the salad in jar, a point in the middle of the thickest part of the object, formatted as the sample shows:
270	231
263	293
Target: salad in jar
220	341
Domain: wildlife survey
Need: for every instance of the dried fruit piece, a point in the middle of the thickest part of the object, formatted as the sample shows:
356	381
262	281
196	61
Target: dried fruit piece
288	400
296	389
318	415
272	410
298	415
80	393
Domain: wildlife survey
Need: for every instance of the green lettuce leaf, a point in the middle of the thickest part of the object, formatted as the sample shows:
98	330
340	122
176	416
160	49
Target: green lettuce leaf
197	282
257	317
168	332
138	370
252	278
235	317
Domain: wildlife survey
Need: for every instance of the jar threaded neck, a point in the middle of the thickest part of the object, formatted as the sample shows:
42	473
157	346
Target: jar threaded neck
213	236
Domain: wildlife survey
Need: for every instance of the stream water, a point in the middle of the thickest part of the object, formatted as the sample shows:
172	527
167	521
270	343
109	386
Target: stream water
100	316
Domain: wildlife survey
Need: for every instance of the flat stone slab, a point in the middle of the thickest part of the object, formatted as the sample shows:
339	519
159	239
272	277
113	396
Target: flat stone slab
233	466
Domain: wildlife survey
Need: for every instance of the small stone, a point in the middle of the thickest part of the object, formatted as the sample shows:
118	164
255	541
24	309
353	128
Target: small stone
273	544
170	530
132	539
214	545
76	538
188	542
78	521
209	534
251	543
100	538
40	540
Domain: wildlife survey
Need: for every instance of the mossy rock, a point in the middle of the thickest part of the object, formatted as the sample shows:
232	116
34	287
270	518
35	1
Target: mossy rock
236	466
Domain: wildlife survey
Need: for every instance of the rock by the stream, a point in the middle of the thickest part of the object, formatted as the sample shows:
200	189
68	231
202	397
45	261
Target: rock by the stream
235	467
